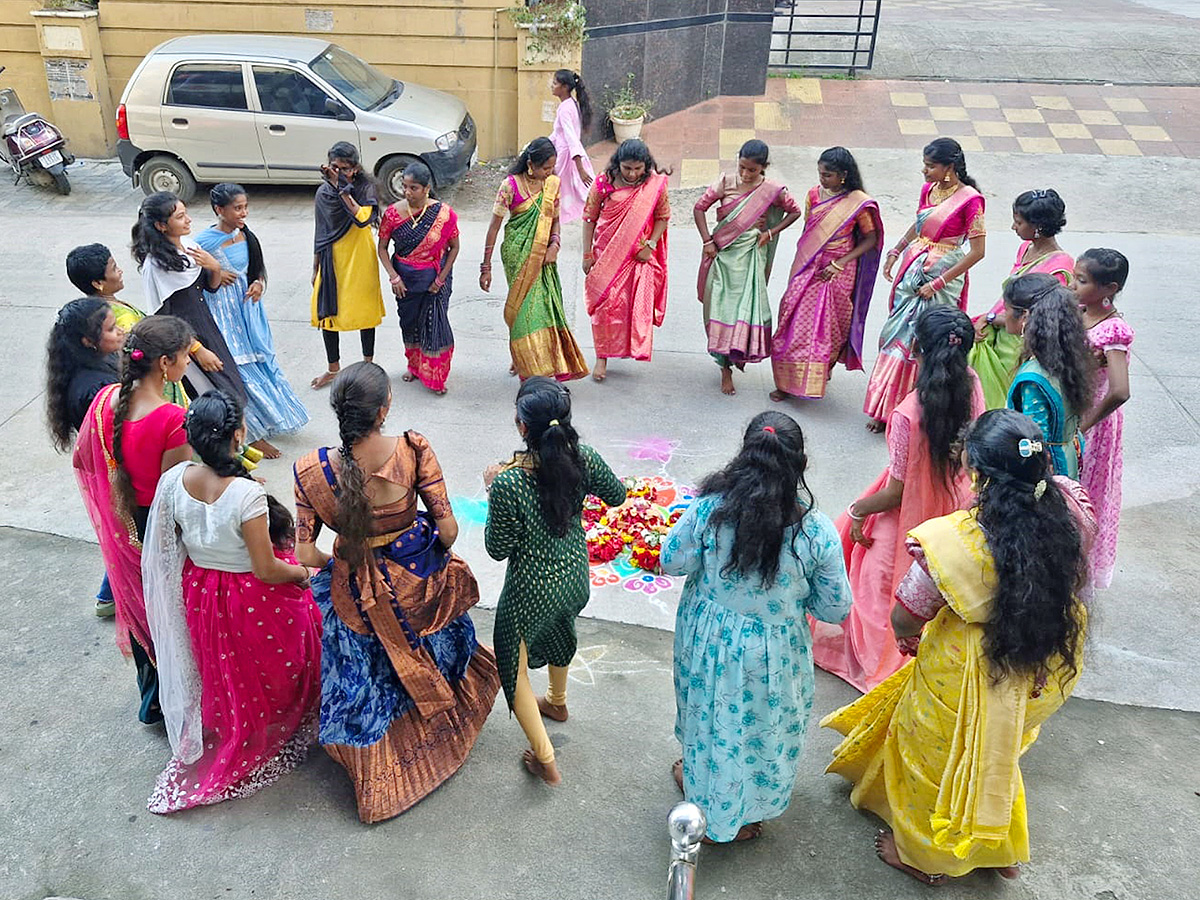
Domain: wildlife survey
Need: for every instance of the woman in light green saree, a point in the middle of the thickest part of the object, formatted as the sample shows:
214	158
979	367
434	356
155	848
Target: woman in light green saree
736	262
539	338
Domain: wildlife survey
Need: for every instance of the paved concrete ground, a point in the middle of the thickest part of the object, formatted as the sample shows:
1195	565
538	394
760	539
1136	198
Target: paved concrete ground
76	769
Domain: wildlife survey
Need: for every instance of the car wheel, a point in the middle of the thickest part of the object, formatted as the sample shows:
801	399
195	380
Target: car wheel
391	177
165	173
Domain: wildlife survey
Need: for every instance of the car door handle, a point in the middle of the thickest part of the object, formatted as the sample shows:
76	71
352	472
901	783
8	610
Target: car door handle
276	129
179	121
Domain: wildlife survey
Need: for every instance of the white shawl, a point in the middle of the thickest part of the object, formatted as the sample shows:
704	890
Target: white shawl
158	283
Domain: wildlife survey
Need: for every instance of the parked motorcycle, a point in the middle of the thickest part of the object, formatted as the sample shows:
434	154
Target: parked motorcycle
32	147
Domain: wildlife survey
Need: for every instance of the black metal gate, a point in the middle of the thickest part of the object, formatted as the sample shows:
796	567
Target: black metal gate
824	34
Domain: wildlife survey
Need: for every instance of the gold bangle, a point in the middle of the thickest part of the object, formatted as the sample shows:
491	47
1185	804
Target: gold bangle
195	348
833	262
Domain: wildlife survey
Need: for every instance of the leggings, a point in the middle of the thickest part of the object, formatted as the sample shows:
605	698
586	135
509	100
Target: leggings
525	706
332	339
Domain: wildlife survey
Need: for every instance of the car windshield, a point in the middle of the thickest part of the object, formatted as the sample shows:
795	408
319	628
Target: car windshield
363	85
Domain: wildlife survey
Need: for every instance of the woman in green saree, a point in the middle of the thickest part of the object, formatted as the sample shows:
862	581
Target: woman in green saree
539	338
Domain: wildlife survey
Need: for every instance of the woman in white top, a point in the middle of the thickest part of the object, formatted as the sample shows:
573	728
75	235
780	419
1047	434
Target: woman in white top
237	632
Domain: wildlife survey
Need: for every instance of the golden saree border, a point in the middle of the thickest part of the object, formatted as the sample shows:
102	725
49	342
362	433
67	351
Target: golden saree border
537	253
549	351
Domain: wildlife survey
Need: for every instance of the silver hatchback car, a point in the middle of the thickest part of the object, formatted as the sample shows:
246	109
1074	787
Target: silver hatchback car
266	109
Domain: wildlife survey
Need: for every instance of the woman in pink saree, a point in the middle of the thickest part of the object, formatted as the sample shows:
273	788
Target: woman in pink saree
824	308
946	240
736	259
625	255
923	480
573	168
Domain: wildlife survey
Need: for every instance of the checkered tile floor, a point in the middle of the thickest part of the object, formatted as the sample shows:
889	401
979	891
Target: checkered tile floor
1002	117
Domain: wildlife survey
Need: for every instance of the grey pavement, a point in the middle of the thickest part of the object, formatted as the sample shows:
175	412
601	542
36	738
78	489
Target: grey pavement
70	783
1118	41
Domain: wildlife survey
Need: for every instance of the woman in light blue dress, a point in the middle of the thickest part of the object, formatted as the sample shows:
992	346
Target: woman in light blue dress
272	407
758	558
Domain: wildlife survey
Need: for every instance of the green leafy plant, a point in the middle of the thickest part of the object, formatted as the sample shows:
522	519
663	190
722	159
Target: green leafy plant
557	28
625	103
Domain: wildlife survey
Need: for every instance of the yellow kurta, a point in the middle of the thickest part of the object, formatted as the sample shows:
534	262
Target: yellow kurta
360	299
934	750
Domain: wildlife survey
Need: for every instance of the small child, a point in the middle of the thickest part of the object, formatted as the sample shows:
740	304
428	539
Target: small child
1100	275
282	528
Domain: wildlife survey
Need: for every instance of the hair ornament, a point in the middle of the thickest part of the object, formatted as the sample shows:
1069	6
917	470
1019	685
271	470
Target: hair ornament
769	428
552	423
1027	448
136	354
1040	194
1039	489
954	340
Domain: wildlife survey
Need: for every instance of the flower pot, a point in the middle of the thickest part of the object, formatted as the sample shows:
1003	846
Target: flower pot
625	129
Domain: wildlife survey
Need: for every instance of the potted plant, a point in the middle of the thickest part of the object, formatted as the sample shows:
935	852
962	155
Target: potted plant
627	111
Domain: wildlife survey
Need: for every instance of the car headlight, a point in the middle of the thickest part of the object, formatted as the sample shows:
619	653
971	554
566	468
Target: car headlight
447	141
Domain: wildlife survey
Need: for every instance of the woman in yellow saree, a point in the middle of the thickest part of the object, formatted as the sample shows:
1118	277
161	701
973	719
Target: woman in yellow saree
935	750
539	339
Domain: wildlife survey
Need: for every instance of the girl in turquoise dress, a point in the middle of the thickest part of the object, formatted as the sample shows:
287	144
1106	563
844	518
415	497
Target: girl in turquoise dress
758	558
1053	384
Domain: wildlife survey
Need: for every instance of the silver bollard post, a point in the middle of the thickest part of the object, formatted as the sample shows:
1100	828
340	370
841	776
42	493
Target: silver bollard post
686	825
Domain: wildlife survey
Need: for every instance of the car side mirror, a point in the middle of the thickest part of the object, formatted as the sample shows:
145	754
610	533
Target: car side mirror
338	111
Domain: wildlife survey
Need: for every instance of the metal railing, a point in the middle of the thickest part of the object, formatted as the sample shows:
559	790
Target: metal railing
824	34
686	825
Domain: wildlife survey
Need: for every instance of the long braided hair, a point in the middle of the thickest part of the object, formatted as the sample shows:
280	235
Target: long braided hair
66	353
948	152
357	395
945	336
148	341
211	421
544	408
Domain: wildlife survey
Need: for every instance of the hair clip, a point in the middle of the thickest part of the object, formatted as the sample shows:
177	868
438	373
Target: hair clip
1040	194
136	353
552	423
1039	489
1027	448
769	428
954	340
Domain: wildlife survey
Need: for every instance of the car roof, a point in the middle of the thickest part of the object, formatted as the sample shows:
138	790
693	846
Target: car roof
259	46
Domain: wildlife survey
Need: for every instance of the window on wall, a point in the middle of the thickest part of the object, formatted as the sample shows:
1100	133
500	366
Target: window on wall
207	85
287	91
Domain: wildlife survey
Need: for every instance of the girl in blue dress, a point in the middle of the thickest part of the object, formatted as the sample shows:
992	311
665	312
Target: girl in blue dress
758	558
272	407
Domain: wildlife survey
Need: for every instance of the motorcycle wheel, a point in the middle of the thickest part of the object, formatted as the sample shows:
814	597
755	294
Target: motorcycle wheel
61	183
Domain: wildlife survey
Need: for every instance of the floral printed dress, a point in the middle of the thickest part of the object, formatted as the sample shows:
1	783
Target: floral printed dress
743	663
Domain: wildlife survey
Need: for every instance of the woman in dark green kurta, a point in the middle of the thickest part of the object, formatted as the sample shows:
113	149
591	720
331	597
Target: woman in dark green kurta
534	508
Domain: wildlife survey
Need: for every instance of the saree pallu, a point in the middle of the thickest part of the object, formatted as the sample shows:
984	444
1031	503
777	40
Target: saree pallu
418	254
935	749
821	322
405	685
995	358
539	339
733	284
1037	394
939	246
627	298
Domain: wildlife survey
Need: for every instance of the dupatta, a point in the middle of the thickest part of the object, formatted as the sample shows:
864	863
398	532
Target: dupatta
333	222
622	222
95	472
532	219
737	216
825	221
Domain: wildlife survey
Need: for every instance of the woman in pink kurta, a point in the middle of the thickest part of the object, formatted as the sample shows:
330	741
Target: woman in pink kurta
923	480
573	167
1099	276
625	255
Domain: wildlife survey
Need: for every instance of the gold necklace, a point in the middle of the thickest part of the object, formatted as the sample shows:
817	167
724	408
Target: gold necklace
413	220
938	193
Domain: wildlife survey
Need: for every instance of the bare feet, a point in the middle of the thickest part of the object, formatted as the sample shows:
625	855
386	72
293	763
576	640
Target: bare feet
876	426
727	381
323	379
747	832
441	393
552	711
677	773
548	772
267	449
885	849
778	396
1010	872
600	370
408	377
512	370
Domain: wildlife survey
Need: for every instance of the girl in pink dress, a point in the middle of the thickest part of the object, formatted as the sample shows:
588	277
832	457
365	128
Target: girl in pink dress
1099	276
573	167
234	624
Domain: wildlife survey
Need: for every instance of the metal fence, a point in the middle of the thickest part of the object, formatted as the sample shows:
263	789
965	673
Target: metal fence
824	34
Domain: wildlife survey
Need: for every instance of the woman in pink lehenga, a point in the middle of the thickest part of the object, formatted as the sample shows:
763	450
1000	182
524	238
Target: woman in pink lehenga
946	240
625	255
924	479
824	308
573	168
237	633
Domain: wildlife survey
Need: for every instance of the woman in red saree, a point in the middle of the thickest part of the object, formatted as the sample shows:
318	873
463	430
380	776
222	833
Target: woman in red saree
923	480
737	258
946	240
625	255
423	233
824	308
128	438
